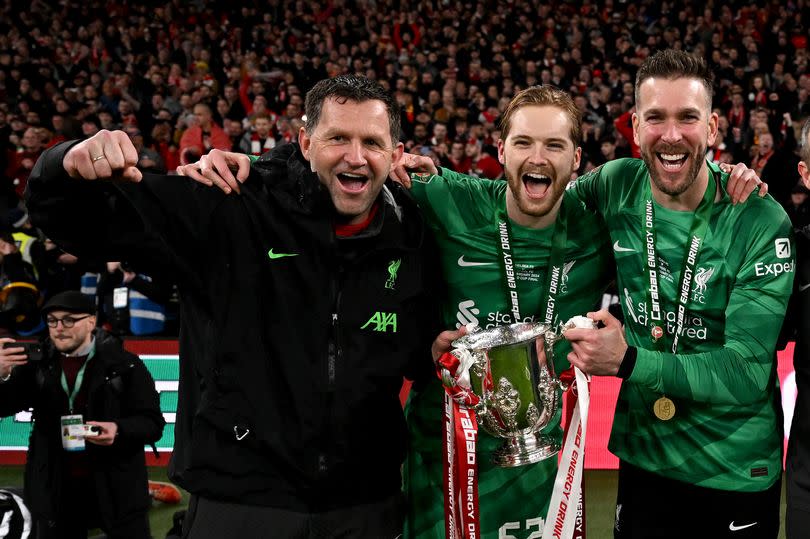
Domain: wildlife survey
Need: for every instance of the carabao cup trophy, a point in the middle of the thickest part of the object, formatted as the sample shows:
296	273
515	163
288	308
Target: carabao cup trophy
511	370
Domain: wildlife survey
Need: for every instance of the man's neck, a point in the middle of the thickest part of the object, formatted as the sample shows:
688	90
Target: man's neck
530	221
690	199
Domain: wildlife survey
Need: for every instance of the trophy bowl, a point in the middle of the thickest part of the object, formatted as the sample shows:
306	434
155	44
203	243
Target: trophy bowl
509	369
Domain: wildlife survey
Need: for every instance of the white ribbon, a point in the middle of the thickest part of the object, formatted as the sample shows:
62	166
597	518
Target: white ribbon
562	511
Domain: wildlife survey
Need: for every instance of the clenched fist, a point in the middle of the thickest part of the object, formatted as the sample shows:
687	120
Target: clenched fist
107	155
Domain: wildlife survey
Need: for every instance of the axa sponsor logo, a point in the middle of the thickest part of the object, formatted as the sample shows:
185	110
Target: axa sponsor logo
700	281
382	322
762	269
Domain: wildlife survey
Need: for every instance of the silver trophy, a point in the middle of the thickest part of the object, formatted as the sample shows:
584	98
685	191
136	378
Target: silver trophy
511	370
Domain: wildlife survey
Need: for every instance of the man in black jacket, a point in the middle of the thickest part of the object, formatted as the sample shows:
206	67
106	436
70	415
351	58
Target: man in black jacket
304	302
797	465
95	406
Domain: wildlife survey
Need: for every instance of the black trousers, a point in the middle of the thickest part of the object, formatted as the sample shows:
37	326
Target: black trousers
649	506
797	514
212	519
79	513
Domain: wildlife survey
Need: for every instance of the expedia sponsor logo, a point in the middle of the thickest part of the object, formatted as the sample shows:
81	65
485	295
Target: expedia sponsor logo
782	248
776	269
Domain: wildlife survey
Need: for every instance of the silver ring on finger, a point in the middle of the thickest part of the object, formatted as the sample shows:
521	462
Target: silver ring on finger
98	158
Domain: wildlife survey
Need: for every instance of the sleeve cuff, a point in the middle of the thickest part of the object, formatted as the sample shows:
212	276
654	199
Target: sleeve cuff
647	369
628	363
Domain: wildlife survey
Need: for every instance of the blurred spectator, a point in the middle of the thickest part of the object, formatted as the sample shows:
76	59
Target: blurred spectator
19	294
775	167
131	302
149	160
458	160
260	137
22	160
487	165
798	207
78	478
205	135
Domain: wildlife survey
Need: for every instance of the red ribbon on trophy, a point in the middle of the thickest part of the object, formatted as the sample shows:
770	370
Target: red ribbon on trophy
460	429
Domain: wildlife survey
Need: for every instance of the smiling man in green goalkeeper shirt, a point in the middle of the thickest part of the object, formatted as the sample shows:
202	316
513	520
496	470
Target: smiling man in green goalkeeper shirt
704	286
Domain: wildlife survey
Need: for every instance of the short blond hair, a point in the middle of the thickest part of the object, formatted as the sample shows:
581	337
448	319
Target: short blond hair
540	96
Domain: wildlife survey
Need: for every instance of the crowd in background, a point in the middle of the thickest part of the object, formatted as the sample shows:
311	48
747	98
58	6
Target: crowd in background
184	77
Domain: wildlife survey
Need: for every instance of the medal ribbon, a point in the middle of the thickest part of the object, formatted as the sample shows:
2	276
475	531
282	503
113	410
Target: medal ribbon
548	300
697	232
71	395
566	499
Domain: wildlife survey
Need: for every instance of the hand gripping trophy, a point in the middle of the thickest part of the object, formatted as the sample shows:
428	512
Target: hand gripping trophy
504	379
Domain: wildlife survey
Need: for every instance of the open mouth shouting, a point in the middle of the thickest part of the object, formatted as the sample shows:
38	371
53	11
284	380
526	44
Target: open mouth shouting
352	183
672	162
536	184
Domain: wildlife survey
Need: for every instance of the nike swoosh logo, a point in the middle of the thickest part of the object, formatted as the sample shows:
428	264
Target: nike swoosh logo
273	255
619	249
734	528
803	287
464	264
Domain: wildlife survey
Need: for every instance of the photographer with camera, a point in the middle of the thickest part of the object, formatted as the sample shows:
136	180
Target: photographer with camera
94	409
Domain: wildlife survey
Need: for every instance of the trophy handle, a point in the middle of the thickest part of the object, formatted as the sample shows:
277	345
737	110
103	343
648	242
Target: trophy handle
454	371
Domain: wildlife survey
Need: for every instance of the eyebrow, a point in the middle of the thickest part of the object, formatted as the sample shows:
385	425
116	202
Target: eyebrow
680	112
546	140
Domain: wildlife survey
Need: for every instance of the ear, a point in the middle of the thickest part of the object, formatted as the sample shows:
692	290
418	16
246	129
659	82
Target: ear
397	153
305	142
804	172
714	119
501	158
635	128
577	158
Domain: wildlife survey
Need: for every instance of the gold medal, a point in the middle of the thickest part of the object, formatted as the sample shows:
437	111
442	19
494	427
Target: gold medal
664	409
657	332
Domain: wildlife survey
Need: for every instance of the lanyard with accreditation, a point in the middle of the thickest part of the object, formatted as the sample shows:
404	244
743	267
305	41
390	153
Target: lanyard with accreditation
664	408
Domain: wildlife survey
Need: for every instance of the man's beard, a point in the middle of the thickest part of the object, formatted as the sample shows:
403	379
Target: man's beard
669	188
527	205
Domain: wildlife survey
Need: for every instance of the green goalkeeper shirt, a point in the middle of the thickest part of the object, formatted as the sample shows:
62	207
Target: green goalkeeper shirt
463	213
726	432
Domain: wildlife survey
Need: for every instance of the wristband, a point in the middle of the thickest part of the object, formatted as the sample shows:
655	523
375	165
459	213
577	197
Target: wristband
628	363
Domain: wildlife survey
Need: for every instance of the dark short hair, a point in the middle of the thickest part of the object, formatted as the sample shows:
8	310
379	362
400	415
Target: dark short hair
672	64
542	96
349	88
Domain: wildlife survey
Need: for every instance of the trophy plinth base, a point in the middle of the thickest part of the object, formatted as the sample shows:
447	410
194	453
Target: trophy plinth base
525	449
